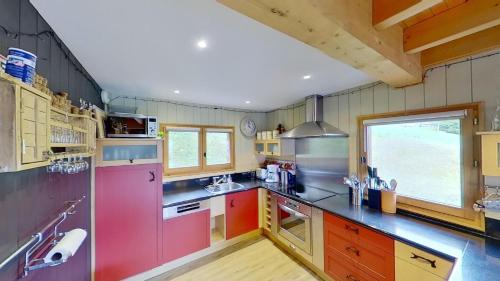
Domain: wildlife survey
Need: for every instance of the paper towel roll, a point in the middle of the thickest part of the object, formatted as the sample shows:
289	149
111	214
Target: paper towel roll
67	247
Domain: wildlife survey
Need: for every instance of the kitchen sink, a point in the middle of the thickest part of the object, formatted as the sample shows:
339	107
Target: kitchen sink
224	187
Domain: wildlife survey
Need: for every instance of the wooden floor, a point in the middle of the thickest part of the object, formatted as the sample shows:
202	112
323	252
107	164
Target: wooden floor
260	261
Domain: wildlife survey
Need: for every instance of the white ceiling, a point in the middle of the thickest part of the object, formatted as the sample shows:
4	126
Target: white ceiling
148	49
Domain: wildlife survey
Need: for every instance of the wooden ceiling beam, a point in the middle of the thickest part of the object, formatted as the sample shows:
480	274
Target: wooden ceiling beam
387	13
476	43
341	29
471	17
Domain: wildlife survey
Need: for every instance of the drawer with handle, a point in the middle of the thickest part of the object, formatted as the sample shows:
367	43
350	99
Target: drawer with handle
358	234
428	262
342	270
371	260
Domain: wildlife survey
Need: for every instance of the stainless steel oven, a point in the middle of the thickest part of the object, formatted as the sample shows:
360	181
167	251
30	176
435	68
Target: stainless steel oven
292	221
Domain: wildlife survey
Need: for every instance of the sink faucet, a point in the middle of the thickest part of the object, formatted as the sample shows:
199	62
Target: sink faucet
217	181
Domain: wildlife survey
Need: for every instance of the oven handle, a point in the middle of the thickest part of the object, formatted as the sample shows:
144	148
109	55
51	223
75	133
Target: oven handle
295	213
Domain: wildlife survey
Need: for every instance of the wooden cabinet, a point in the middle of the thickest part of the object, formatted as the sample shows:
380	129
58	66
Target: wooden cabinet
119	152
34	127
275	147
355	252
260	147
24	129
490	147
185	234
415	265
128	214
242	213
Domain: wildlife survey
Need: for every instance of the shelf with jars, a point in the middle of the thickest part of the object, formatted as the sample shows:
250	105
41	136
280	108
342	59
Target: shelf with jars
268	143
38	127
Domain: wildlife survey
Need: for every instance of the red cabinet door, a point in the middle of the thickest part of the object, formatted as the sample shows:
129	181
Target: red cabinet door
186	234
127	212
242	212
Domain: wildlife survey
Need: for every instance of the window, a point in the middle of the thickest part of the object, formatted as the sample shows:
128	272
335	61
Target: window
420	154
196	149
431	154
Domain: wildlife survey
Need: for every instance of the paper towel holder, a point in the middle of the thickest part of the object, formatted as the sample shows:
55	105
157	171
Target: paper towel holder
31	264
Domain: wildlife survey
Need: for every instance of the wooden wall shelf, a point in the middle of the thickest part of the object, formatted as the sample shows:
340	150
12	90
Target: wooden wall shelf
27	120
275	147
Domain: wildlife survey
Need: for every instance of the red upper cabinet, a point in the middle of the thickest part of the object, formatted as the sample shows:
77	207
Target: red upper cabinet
128	216
242	213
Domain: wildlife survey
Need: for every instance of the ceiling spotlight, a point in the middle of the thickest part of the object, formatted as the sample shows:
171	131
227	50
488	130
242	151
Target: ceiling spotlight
247	102
305	77
177	92
202	44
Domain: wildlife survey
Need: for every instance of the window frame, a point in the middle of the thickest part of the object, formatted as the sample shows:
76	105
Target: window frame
202	149
464	216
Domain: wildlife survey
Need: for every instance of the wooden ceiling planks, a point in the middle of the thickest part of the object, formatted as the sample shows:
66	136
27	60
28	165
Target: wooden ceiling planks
341	29
433	11
463	20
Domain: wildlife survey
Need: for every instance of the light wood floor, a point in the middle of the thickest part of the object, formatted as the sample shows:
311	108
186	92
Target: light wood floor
261	261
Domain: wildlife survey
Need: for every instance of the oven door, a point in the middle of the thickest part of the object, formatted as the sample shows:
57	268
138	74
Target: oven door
295	227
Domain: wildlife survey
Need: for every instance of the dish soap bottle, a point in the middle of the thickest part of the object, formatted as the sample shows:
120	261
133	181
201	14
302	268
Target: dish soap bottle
495	122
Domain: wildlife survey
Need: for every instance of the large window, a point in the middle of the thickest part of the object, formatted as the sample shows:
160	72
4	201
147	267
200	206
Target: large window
425	157
431	154
196	149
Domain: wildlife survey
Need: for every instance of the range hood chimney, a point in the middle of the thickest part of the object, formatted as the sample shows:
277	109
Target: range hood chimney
314	126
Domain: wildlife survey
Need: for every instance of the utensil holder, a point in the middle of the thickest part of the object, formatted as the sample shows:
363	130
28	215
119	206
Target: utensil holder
374	199
389	201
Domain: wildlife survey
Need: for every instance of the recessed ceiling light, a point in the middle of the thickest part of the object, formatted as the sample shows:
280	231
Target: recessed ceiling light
247	102
177	92
202	44
305	77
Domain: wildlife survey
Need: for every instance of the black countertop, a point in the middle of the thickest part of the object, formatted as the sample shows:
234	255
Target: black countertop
476	258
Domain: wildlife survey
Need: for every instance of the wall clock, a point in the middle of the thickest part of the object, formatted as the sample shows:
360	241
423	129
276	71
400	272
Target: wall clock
248	127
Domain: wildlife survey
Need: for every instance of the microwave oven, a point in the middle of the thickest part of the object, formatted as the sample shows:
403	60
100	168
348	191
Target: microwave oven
127	125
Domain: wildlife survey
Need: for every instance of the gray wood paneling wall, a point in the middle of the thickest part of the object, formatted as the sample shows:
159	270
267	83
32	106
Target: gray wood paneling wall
177	113
28	199
52	63
455	83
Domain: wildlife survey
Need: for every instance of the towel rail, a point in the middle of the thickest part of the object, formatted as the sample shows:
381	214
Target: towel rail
38	239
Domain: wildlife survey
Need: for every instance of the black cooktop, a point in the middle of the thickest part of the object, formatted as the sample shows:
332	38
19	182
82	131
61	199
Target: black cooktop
304	192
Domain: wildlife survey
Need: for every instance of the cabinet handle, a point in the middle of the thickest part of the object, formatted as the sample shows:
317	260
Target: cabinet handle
352	278
24	146
152	179
353	250
232	203
431	262
353	229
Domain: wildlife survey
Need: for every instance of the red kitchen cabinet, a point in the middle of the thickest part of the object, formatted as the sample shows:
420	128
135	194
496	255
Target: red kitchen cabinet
128	216
354	252
185	234
242	213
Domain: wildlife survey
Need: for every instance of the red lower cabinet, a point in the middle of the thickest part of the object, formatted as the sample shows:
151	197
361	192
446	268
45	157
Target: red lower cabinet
242	213
353	252
185	234
128	214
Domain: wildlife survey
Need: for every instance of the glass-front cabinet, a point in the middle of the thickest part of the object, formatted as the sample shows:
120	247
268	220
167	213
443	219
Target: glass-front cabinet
490	147
275	147
118	152
260	147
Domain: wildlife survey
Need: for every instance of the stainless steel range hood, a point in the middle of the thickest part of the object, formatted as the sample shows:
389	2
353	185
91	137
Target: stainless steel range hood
314	126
